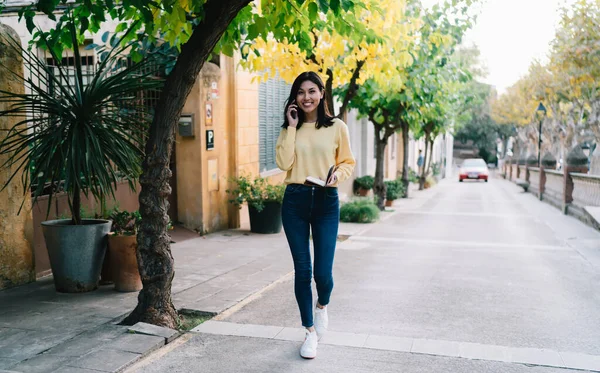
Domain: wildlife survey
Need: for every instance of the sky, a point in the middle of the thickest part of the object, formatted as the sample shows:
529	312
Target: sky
511	34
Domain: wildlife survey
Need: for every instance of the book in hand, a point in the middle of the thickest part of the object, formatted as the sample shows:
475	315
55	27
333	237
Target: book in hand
311	180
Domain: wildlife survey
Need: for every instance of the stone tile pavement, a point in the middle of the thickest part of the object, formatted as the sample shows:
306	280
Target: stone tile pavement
45	331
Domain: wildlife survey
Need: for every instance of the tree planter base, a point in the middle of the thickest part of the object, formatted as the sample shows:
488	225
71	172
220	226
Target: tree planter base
268	220
76	253
123	262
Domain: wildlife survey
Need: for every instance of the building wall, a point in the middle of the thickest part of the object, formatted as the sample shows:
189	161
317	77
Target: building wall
246	93
203	174
16	252
391	158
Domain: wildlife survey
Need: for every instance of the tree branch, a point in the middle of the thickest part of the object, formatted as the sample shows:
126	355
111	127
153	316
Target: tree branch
352	87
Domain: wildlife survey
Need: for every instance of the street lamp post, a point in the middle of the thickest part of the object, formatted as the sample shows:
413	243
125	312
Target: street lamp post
542	111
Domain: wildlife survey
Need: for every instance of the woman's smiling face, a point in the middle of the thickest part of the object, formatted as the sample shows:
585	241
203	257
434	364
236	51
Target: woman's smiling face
309	96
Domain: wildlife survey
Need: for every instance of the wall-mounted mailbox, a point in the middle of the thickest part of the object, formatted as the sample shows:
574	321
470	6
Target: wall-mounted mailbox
186	125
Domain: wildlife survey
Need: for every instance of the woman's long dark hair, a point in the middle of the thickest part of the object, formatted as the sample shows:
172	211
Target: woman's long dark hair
324	117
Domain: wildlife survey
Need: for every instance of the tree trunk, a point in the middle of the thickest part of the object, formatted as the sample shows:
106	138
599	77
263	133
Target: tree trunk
329	92
405	139
379	185
430	156
424	167
155	261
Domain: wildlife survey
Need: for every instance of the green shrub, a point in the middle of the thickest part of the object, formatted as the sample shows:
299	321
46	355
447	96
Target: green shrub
394	189
413	177
361	210
255	192
364	182
125	223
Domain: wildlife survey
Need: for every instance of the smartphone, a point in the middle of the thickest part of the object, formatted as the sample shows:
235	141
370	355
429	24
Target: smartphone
294	112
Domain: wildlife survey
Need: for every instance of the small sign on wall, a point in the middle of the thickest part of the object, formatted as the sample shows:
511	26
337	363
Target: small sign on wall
209	114
214	90
210	139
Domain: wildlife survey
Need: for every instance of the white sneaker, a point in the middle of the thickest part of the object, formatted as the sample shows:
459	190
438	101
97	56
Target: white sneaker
309	347
321	320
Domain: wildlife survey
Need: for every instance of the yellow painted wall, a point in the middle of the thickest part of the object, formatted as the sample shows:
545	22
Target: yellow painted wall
247	123
16	231
190	170
202	174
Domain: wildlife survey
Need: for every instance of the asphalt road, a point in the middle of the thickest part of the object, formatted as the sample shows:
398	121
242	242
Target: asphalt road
478	265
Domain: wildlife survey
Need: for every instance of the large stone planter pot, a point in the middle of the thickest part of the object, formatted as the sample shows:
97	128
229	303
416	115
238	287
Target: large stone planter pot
123	261
363	192
268	220
76	253
389	202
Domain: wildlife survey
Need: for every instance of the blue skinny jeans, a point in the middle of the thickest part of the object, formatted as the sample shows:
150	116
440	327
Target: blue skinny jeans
307	208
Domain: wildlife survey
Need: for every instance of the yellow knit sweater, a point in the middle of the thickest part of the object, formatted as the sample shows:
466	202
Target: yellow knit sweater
309	151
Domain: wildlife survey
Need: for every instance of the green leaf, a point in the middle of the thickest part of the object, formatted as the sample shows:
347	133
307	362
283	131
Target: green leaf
227	49
47	6
335	6
313	11
347	5
252	31
29	23
136	56
324	6
85	23
121	27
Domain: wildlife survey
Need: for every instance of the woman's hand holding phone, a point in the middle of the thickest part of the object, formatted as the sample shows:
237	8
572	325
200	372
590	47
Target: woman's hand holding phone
292	114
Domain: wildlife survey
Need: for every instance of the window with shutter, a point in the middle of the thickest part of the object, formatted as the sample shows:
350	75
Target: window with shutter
271	100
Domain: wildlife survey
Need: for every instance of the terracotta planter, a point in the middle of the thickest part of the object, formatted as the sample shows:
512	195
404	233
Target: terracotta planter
123	261
363	192
389	202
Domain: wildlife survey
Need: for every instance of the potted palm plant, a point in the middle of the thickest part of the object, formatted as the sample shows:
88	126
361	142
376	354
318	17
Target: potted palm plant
264	202
80	132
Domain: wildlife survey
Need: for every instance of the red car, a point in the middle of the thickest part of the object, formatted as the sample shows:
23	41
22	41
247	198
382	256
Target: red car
473	169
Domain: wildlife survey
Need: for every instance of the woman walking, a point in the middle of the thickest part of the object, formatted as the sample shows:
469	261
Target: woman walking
310	144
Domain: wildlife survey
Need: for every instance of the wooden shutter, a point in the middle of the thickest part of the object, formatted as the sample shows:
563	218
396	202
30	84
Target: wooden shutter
271	100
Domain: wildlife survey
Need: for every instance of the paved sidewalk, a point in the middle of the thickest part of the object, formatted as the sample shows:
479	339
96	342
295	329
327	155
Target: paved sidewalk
45	331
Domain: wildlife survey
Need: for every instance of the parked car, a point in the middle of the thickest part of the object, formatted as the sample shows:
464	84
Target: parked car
473	169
